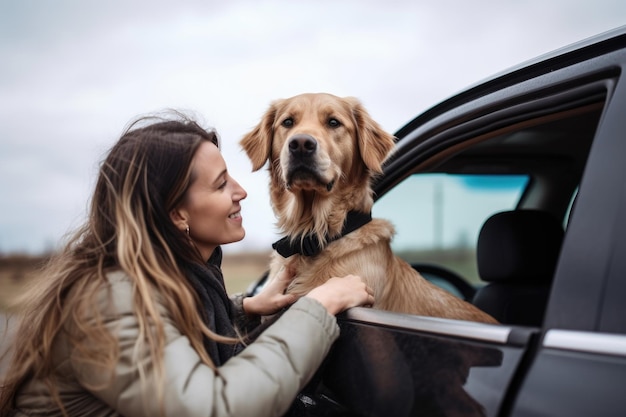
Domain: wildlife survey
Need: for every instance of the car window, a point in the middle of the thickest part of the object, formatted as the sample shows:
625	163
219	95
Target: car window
437	217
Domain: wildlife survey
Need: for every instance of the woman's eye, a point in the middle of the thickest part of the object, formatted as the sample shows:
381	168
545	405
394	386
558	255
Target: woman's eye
222	185
332	122
288	122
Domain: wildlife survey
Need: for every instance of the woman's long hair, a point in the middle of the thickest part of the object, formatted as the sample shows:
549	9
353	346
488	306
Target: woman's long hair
144	177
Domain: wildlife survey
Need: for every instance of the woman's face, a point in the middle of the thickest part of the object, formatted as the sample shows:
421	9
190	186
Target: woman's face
211	206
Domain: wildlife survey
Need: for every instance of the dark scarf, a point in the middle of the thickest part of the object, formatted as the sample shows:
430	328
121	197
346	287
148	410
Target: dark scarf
217	308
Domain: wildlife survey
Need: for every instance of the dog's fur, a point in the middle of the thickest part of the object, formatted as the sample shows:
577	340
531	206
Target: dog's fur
323	151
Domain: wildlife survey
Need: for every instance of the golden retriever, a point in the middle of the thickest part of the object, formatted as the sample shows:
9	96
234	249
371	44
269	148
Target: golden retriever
323	151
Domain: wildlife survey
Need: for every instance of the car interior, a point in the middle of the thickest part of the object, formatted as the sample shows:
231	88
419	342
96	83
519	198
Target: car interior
513	181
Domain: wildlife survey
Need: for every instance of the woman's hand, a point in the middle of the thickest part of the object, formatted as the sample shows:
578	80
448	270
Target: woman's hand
339	294
272	297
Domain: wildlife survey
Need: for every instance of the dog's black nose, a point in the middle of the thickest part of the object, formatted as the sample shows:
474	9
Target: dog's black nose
302	145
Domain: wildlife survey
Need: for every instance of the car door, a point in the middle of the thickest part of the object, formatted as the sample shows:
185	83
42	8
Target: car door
541	121
580	366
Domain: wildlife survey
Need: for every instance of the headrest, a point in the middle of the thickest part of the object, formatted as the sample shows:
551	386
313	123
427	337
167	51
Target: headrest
519	246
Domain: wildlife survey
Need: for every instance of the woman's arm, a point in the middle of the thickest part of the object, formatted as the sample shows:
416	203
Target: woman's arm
262	380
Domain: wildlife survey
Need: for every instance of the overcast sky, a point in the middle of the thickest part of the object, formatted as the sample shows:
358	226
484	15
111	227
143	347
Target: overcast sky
75	72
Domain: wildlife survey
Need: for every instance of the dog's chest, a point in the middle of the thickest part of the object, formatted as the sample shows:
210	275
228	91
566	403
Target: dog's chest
310	272
361	252
307	268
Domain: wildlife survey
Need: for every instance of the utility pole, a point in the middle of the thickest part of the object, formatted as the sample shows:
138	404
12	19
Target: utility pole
438	213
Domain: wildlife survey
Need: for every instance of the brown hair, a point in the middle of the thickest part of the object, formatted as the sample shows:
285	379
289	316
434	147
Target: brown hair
144	176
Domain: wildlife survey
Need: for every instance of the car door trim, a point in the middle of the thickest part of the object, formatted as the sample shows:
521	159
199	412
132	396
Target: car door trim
591	342
466	329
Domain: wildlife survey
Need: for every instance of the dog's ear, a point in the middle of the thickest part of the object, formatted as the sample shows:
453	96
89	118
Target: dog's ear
375	144
258	142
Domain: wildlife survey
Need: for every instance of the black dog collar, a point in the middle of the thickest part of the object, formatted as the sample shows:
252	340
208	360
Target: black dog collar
310	245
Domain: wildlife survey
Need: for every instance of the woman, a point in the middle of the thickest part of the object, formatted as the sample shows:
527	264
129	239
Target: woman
132	317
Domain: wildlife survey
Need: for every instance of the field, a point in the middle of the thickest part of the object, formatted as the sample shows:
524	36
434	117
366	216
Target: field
240	270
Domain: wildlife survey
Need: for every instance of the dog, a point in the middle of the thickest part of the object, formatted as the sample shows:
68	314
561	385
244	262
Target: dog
323	152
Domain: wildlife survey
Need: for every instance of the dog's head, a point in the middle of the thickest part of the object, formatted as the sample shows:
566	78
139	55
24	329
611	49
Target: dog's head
320	146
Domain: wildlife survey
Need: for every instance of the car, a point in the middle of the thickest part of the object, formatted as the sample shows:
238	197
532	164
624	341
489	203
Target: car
512	195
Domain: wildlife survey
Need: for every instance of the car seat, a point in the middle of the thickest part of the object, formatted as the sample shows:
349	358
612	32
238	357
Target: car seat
517	254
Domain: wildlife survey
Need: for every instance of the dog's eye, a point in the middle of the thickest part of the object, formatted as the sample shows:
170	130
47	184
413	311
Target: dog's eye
288	122
332	122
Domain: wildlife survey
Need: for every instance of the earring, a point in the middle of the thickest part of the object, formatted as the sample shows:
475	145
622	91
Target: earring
187	230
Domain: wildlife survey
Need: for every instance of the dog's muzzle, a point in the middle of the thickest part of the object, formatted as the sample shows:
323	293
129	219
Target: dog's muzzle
303	164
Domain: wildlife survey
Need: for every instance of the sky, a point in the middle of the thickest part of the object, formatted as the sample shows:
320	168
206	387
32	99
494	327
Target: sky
74	73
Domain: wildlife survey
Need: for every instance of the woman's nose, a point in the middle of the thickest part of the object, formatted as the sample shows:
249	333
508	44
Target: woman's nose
240	193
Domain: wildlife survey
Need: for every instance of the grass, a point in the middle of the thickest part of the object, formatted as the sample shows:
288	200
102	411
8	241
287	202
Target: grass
240	270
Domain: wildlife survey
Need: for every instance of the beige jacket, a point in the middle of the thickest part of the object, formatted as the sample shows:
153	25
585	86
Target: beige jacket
262	380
